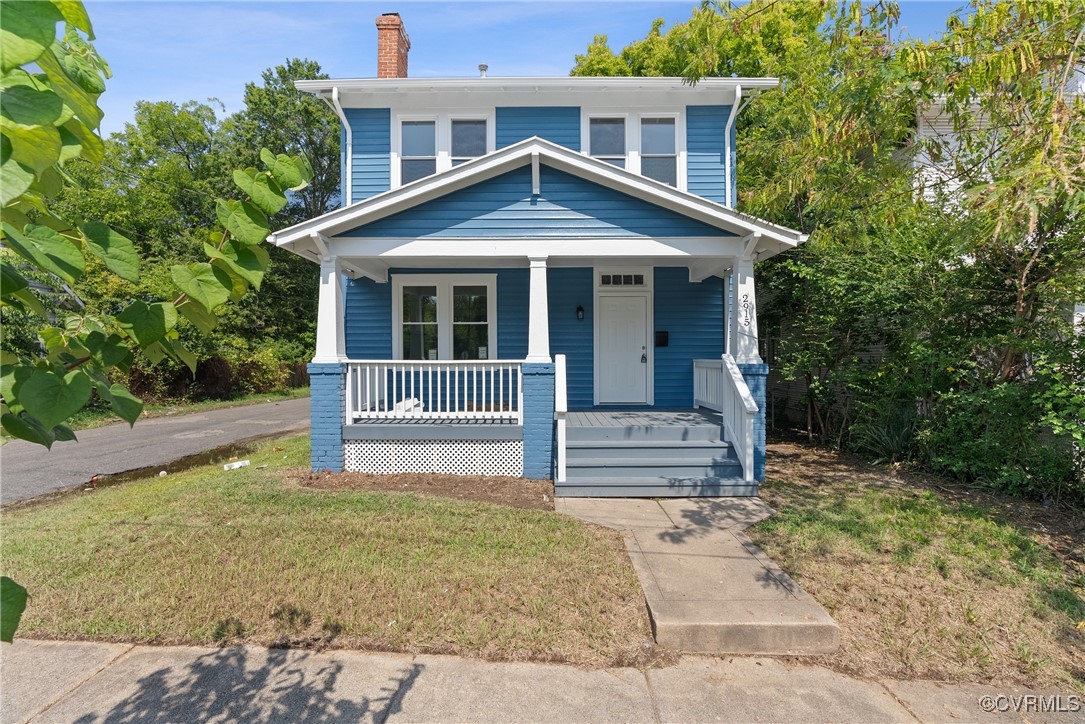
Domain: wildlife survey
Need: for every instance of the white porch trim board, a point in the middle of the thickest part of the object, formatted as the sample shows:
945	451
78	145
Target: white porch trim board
330	333
743	336
538	321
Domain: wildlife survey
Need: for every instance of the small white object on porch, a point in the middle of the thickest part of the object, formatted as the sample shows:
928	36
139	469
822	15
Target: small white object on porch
330	336
538	321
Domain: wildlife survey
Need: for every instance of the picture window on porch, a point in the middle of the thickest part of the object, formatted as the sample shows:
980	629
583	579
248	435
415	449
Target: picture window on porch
658	150
606	140
418	150
468	140
445	317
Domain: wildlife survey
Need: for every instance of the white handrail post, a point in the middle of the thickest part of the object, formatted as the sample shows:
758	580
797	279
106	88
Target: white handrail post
561	407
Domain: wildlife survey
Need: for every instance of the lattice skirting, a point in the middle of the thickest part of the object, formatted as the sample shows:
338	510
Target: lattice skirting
454	457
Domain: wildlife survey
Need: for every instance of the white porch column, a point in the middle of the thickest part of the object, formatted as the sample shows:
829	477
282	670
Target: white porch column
538	321
330	338
743	342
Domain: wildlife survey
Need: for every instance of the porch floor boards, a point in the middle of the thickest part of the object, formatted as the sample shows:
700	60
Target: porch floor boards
641	418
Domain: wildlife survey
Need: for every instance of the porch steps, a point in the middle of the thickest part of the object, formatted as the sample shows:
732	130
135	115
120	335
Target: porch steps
672	457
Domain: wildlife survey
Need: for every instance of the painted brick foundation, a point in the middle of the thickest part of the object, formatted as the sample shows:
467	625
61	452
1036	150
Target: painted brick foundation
756	376
327	409
538	382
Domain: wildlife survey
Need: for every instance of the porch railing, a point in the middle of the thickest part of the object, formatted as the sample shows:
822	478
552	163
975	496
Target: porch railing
561	410
718	385
489	390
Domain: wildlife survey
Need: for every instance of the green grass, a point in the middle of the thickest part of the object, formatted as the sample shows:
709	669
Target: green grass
208	556
88	418
928	584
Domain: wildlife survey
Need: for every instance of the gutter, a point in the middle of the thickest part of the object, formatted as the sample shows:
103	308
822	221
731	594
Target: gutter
727	140
348	174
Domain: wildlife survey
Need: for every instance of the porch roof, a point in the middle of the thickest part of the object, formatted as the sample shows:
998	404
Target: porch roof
311	239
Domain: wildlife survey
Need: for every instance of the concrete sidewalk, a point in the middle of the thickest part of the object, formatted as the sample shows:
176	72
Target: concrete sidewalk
709	589
45	681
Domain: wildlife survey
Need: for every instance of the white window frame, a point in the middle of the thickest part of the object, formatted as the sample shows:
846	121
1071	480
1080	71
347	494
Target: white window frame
443	127
641	118
444	284
632	135
629	137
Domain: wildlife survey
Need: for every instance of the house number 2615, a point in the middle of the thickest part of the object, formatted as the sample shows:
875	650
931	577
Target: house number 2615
746	310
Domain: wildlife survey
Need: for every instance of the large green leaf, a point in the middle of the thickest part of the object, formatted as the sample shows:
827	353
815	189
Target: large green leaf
200	317
71	146
290	173
75	14
248	262
12	376
106	351
182	354
47	249
93	148
147	323
204	283
245	222
15	290
118	252
82	72
52	399
84	104
26	428
127	406
27	29
36	147
15	178
12	604
25	106
262	189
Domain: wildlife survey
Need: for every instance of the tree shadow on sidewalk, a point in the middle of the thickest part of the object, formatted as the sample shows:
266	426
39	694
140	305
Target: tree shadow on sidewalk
254	685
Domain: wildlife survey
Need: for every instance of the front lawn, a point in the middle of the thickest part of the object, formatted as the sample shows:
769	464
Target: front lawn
926	579
207	556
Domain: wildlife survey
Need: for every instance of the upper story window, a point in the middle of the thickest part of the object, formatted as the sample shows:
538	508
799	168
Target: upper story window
418	155
658	150
606	140
468	140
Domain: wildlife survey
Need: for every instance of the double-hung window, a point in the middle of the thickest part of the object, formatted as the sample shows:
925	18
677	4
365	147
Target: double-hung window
468	139
445	316
418	152
606	140
658	150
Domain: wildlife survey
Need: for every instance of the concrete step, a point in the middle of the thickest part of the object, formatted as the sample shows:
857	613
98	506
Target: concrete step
586	486
780	628
657	467
701	450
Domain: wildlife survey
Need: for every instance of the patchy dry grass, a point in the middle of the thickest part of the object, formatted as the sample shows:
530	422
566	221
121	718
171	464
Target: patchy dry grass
249	556
928	580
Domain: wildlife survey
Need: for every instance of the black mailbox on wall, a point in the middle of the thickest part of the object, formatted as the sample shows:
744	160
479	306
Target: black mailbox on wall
663	339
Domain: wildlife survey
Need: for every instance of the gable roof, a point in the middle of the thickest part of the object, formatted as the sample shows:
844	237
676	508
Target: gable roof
772	239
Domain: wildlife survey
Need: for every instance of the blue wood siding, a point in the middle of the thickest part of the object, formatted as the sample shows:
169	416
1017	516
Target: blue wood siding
368	323
693	315
503	207
559	124
567	289
706	150
371	148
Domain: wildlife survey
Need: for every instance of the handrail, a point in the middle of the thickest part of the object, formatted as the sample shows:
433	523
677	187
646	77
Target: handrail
561	407
489	390
718	385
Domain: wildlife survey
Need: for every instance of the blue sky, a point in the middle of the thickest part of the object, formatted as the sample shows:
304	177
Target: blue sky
183	51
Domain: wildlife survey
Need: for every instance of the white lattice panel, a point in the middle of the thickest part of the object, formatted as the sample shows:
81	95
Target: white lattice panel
453	457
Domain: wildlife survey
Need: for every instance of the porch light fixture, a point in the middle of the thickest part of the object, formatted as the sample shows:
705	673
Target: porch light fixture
580	313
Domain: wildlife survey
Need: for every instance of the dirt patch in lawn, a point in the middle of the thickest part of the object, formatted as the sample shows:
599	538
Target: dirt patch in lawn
927	578
514	492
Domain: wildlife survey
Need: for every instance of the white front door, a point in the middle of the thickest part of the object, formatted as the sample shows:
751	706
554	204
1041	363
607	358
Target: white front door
623	349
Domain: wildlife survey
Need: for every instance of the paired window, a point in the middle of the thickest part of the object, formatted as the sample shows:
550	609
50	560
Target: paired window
658	146
418	145
443	317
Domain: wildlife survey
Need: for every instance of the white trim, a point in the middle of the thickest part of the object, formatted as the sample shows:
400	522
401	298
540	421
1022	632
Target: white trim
330	333
348	181
588	115
442	129
517	155
727	143
444	284
648	292
538	313
677	249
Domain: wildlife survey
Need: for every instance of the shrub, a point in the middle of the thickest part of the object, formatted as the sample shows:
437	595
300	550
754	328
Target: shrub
259	371
214	378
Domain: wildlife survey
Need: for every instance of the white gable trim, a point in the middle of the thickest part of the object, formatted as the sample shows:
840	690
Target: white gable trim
555	156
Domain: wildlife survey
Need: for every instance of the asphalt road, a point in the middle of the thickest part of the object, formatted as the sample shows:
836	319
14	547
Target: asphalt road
28	470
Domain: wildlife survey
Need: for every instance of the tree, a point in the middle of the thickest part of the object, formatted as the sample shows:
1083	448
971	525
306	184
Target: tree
48	117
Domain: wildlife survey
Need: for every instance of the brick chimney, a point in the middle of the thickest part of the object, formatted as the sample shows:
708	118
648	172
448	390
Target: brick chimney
392	47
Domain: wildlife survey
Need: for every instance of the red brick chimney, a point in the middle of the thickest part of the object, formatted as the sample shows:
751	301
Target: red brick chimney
392	47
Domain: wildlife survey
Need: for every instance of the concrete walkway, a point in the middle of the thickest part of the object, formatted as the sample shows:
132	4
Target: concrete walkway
709	588
30	470
44	681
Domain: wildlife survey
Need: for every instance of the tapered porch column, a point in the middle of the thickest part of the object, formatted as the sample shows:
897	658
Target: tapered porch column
330	338
538	321
743	337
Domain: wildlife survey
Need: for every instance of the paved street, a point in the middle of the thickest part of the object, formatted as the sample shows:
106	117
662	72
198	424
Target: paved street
45	681
28	470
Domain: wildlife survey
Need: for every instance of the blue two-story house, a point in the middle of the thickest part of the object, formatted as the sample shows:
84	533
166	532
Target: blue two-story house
540	277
